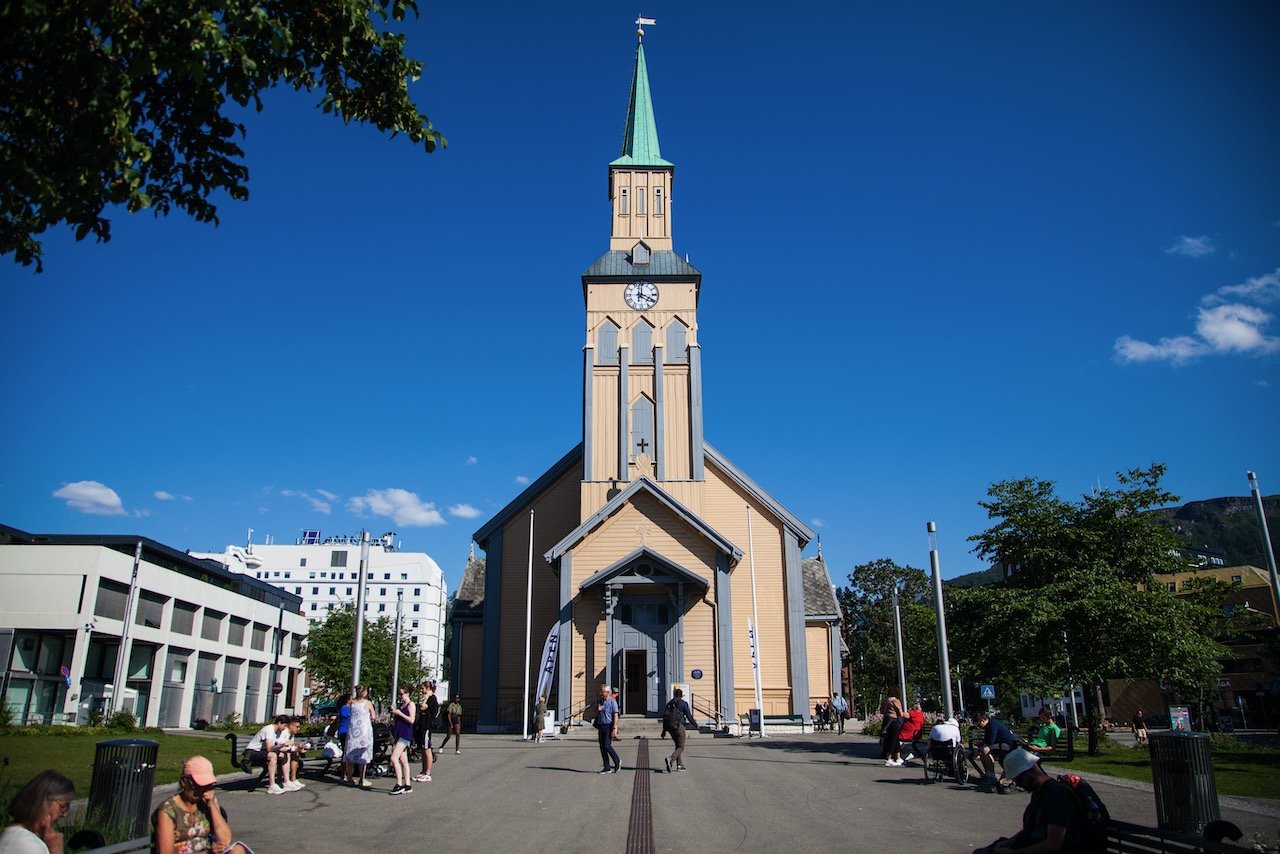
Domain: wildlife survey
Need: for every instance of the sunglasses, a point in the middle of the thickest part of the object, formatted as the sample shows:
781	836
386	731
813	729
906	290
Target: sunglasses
199	787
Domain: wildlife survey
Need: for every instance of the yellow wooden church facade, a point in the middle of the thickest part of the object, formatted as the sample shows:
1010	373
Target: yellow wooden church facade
653	556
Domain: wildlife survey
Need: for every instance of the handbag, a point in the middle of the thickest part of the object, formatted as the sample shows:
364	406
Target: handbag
332	750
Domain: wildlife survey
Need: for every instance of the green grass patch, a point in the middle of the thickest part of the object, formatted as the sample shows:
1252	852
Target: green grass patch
70	751
1240	769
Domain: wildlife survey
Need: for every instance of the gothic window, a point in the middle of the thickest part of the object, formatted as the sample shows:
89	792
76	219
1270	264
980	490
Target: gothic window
657	201
677	343
642	427
607	343
623	207
640	200
642	344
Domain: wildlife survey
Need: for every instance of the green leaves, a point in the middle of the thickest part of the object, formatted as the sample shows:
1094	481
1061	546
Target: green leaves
105	103
329	652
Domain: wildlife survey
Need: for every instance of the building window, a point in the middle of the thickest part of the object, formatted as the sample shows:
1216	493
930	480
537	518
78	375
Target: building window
311	575
348	591
415	624
386	576
333	591
623	207
382	606
1173	587
313	606
642	431
404	576
642	344
184	617
288	575
1235	579
657	201
677	343
235	634
111	599
417	591
607	343
338	558
382	591
259	636
297	590
302	561
211	628
277	575
150	610
640	200
415	607
324	575
315	591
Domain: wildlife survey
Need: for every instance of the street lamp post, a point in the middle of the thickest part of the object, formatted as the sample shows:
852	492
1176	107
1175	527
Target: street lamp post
1266	546
944	664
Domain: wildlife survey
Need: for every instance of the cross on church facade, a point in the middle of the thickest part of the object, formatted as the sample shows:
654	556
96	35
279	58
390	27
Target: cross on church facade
643	445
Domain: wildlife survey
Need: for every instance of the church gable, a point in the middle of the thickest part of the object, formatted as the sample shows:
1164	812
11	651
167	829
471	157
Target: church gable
646	525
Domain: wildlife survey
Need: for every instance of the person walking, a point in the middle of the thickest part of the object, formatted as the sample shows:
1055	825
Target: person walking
453	722
360	739
674	718
840	708
540	719
606	725
422	729
402	717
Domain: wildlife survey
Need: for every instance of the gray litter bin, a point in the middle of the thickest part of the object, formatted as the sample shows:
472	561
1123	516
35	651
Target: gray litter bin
124	773
1182	770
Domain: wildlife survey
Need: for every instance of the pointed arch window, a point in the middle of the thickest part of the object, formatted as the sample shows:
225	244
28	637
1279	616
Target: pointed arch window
607	343
642	344
642	427
677	352
623	202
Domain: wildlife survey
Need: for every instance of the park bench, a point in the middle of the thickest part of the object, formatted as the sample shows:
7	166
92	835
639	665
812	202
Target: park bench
317	763
1126	838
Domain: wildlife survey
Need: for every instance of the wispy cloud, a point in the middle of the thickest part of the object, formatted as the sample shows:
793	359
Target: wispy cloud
319	505
327	495
471	460
89	496
1192	247
818	522
161	495
401	505
1225	325
521	479
464	511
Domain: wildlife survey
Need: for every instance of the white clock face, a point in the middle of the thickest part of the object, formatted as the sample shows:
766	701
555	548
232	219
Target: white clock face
641	295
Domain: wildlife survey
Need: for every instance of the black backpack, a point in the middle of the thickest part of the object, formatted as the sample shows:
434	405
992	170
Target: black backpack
672	717
1091	814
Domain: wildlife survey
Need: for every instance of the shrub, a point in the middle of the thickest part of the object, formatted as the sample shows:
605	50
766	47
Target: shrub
123	720
6	714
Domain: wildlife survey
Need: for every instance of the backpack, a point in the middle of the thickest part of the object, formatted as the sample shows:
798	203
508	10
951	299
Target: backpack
1090	811
672	716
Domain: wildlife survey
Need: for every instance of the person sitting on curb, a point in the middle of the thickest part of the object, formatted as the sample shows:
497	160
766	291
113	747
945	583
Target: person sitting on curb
1063	815
997	741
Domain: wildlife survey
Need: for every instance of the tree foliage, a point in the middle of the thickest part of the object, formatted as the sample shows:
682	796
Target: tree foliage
867	606
124	103
330	647
1081	605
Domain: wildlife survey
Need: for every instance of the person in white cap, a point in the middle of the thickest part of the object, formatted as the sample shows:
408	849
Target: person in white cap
1063	814
944	731
192	820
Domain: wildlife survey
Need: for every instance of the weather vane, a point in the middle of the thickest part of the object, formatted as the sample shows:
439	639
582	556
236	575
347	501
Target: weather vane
642	22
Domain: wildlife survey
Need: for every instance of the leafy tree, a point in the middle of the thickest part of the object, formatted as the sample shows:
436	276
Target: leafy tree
123	103
331	645
1080	605
867	605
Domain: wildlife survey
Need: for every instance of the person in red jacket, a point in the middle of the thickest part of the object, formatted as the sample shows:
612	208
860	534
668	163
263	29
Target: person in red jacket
912	723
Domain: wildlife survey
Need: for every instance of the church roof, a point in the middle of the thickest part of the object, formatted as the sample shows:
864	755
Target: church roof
640	137
663	262
469	598
568	461
622	499
819	599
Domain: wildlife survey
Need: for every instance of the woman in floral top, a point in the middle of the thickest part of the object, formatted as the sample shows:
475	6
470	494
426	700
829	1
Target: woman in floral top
191	821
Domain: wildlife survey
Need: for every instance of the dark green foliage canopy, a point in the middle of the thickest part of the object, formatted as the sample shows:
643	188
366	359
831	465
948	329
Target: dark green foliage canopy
329	654
123	103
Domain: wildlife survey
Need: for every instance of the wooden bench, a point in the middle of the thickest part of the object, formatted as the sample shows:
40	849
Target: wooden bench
1126	838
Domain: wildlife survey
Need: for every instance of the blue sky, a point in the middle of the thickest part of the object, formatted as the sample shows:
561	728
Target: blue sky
949	244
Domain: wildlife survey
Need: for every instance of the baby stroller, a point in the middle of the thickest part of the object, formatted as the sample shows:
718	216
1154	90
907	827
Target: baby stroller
380	762
943	759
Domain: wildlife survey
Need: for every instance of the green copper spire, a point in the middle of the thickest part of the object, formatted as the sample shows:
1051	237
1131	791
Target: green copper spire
640	139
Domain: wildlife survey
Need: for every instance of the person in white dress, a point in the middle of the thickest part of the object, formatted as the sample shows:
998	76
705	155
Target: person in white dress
360	737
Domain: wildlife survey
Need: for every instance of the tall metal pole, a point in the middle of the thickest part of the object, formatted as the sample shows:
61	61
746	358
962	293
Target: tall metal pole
944	660
897	635
122	654
754	628
359	641
1266	547
275	661
528	629
395	668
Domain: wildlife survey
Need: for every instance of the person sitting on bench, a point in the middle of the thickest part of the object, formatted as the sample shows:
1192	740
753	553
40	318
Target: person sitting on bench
1046	734
264	750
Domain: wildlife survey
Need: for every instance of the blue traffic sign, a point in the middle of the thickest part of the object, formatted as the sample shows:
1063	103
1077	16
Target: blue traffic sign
988	692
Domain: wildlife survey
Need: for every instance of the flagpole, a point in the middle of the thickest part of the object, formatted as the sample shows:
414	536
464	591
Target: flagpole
528	628
754	629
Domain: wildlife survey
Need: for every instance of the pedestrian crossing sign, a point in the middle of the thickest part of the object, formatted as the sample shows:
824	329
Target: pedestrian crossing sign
988	692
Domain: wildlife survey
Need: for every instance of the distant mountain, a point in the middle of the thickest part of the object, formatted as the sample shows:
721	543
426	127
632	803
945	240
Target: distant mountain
1227	525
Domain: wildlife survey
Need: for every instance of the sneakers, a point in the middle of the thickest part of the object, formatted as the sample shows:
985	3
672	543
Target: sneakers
422	778
681	768
893	763
457	751
365	784
293	786
614	770
397	789
668	761
274	789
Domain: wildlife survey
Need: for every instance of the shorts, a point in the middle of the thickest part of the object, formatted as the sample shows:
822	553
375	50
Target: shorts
424	740
258	757
403	742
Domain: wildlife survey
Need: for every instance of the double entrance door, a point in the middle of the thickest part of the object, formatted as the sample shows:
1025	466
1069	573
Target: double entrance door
644	661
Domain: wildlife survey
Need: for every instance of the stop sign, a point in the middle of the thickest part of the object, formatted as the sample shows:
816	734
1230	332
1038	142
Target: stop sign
277	688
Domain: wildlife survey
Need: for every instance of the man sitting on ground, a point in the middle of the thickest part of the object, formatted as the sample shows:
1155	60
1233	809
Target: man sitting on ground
1063	815
997	740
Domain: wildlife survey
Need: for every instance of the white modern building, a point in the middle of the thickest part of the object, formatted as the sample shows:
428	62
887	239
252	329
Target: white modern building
199	642
325	572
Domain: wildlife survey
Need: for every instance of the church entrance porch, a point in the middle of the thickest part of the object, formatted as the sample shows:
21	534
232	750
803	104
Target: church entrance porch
644	663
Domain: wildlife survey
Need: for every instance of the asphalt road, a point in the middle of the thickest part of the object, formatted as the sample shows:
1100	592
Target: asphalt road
788	793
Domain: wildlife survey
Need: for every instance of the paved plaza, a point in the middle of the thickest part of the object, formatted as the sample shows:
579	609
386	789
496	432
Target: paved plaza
787	793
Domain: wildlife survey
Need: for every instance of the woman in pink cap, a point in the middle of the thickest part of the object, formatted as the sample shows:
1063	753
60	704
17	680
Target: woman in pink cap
191	821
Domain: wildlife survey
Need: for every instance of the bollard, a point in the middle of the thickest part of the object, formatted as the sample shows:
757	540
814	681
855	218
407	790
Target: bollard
1182	771
124	773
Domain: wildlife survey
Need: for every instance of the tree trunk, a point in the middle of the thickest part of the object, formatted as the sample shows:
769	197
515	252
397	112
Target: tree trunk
1091	717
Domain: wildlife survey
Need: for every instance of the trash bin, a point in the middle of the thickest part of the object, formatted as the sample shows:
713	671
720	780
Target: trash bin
124	773
1182	770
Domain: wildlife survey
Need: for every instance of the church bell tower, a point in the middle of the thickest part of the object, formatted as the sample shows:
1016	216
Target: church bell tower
642	369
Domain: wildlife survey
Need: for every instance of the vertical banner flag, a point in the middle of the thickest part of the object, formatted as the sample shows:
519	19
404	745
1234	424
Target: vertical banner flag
549	651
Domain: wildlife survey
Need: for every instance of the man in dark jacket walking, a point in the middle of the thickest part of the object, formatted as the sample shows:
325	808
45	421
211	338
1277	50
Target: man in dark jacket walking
674	718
